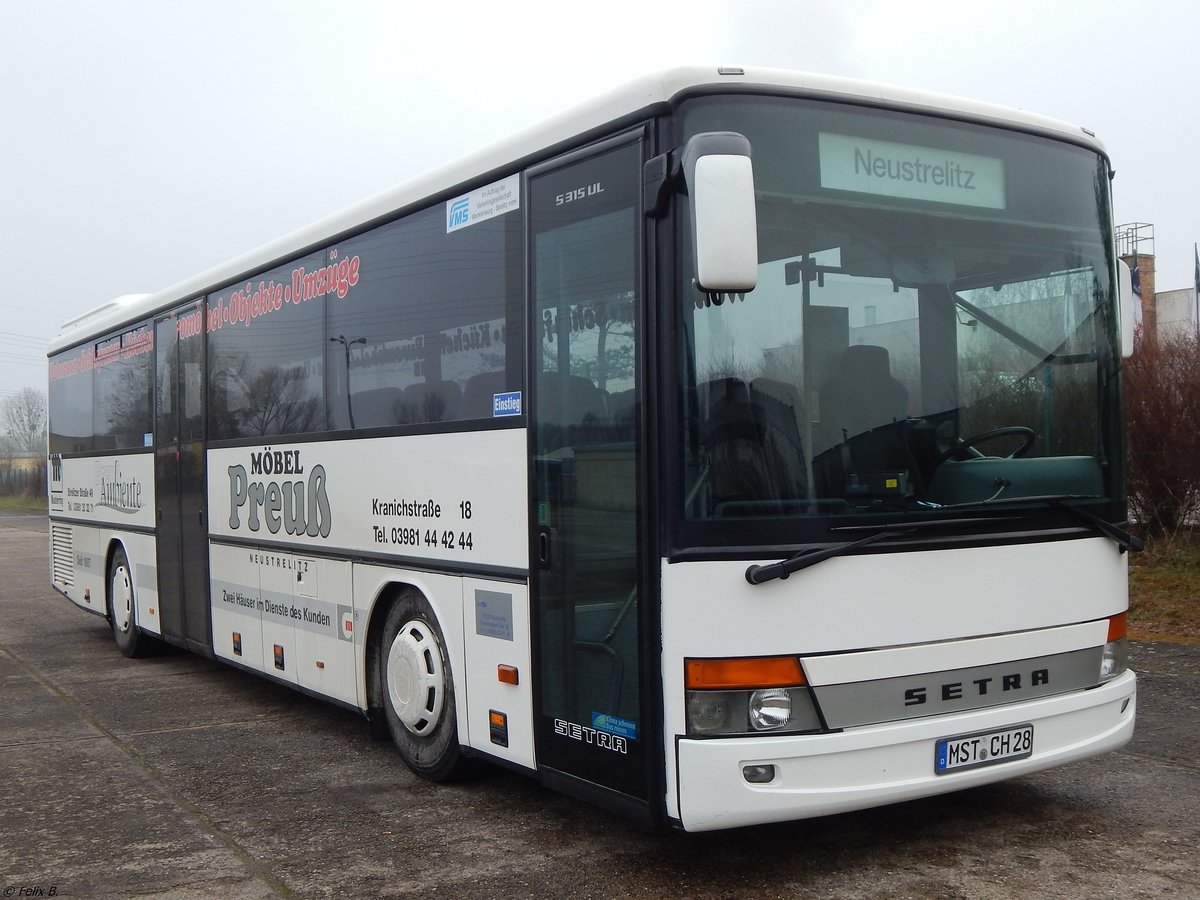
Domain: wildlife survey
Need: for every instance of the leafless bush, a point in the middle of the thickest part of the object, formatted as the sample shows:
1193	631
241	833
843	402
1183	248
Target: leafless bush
1162	414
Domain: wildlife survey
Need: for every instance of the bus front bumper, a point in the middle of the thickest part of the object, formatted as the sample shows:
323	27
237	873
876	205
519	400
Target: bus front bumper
820	774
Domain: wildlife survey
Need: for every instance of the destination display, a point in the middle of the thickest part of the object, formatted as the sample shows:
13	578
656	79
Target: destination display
889	169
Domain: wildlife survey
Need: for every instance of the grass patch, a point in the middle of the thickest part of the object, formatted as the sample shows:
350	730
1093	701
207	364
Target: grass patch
24	504
1164	590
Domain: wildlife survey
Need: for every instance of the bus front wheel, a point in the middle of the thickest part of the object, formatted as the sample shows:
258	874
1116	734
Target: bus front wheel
418	689
122	610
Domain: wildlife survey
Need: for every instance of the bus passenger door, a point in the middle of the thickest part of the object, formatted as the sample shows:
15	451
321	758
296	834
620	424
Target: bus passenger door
585	447
179	478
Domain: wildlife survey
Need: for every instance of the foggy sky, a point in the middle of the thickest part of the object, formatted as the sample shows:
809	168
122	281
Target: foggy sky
145	141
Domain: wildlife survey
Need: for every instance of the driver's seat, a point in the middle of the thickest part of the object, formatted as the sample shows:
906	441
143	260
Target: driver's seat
862	395
863	410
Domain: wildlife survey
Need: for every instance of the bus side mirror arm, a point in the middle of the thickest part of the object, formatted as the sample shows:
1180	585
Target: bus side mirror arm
656	186
719	180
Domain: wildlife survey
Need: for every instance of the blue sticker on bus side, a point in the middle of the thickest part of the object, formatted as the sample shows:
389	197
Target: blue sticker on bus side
506	404
626	728
484	203
494	614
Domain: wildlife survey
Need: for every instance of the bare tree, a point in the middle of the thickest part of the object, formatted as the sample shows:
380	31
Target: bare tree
23	418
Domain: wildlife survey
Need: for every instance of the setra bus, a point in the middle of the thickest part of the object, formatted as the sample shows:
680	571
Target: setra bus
743	446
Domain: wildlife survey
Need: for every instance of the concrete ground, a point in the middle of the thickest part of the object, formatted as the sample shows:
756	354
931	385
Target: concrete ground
174	776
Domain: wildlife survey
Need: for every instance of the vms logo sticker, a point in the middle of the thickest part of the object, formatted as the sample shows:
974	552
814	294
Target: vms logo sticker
460	214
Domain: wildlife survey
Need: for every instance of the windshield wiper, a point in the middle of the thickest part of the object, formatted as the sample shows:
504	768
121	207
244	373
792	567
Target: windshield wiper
1124	539
810	557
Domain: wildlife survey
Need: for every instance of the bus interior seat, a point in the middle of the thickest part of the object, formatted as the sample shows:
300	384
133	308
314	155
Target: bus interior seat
755	453
571	411
478	394
781	416
863	408
622	407
429	401
375	407
862	394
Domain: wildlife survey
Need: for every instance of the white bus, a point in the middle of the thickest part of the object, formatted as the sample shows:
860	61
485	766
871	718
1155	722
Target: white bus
742	447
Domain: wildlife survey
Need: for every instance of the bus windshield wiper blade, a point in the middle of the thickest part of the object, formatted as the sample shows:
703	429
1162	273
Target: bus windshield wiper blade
805	558
1125	540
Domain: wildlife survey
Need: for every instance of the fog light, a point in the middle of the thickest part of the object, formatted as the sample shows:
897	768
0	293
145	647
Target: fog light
709	711
770	709
759	774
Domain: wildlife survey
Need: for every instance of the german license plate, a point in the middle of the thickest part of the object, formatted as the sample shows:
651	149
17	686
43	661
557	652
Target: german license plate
983	749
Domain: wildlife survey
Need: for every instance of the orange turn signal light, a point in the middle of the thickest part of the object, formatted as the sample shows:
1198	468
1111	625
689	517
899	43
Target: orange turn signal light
508	674
1118	626
744	672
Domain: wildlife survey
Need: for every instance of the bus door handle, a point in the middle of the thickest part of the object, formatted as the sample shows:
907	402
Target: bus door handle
543	547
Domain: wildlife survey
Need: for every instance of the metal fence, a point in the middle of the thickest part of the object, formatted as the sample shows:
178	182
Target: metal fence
22	480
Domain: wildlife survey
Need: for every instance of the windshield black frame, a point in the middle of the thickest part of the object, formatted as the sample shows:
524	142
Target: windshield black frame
964	299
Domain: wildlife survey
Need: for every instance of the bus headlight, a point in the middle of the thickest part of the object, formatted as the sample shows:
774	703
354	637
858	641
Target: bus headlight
765	695
1115	659
710	712
770	709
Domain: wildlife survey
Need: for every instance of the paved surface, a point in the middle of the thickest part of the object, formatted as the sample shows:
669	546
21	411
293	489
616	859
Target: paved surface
177	777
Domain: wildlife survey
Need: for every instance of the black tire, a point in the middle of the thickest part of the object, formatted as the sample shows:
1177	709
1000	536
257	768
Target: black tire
418	690
122	607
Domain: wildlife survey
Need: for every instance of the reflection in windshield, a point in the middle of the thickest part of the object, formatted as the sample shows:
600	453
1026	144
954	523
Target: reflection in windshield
900	355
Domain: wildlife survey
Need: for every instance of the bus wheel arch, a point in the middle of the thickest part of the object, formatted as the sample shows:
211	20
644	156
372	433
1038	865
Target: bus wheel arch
120	599
411	684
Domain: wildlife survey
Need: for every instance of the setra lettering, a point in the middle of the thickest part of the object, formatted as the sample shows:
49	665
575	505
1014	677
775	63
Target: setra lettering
582	733
958	690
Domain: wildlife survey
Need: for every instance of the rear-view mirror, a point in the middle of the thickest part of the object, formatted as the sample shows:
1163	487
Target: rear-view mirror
720	182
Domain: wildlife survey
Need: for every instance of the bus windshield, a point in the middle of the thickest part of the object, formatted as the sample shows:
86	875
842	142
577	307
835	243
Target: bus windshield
933	327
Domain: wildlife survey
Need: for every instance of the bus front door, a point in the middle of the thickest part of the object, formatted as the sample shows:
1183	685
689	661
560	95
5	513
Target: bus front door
179	479
585	449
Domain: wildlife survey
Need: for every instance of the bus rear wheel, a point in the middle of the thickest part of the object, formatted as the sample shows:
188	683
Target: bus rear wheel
418	690
122	609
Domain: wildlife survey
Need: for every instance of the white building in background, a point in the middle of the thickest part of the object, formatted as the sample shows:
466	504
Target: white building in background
1167	312
1175	312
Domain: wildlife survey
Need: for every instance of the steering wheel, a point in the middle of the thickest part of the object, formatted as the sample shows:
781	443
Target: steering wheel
1028	436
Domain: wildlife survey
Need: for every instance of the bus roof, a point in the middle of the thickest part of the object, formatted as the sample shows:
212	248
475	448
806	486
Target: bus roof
637	98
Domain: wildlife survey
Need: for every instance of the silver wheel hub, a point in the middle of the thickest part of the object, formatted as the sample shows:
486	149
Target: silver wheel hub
415	678
122	599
